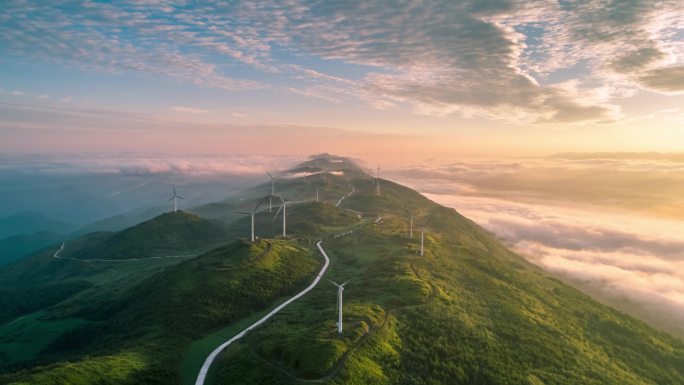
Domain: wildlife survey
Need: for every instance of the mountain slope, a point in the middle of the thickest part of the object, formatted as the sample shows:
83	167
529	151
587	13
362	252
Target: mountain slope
169	233
468	311
157	320
96	269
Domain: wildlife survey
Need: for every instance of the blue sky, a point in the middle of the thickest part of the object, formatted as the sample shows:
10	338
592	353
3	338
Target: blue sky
532	74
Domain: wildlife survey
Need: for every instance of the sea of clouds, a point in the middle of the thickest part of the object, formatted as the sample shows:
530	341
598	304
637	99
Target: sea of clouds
611	227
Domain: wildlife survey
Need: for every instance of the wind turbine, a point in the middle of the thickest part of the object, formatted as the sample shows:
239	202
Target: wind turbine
175	198
270	197
283	207
340	289
318	186
411	223
422	236
377	186
252	212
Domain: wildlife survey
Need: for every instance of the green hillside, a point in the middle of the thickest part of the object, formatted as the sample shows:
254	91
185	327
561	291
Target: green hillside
467	312
175	232
158	319
93	273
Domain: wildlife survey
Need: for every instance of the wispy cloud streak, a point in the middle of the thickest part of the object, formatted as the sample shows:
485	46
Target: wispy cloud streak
495	59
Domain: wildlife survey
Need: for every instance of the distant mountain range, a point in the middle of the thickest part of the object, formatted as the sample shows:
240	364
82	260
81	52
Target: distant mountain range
29	222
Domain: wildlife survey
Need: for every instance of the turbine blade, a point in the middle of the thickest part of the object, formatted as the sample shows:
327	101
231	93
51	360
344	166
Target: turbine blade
342	285
269	174
170	199
243	212
180	197
257	205
334	283
278	212
174	190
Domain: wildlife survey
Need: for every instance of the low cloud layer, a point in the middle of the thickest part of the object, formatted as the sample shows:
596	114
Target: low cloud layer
622	257
192	166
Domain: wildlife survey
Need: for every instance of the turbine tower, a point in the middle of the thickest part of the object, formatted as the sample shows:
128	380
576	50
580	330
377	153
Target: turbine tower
421	227
252	212
175	198
283	206
377	186
340	289
411	223
270	197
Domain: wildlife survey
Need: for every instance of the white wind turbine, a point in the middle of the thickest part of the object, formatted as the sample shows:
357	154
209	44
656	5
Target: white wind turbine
252	212
270	198
377	186
410	213
175	198
318	186
422	237
340	289
283	206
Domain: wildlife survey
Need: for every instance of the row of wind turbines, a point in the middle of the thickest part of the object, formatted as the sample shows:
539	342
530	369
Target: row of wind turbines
284	204
367	175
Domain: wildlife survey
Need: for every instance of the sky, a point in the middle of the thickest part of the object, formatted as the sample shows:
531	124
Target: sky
558	125
390	78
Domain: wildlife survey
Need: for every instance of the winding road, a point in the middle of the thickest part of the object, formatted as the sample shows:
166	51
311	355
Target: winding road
201	377
344	197
56	255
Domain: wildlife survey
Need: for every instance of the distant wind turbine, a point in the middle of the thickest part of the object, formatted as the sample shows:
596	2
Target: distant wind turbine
252	212
340	289
410	213
422	236
270	197
175	198
377	186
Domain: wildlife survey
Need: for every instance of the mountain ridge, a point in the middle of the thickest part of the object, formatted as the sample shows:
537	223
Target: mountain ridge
468	311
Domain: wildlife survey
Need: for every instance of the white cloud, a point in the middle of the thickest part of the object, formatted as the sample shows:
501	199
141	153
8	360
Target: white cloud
189	110
494	59
629	263
629	260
